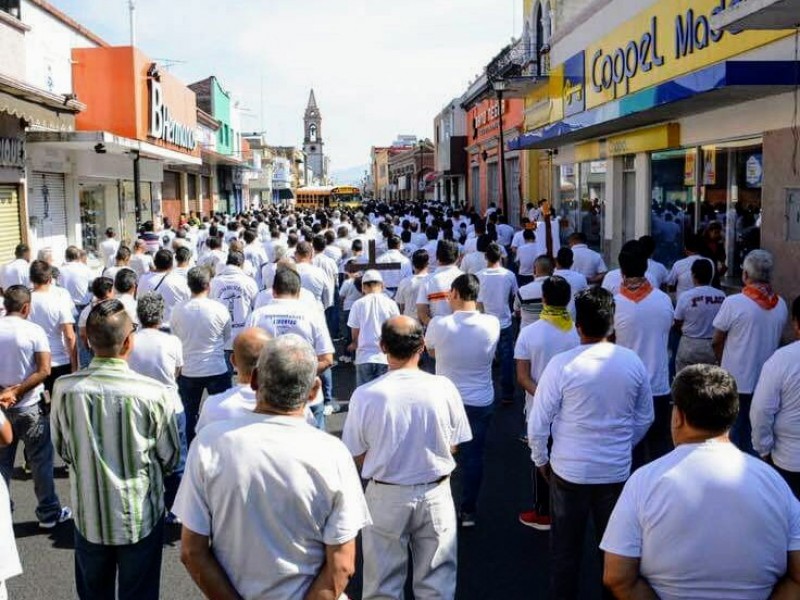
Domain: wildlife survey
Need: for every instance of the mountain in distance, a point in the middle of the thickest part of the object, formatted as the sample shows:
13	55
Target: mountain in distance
350	175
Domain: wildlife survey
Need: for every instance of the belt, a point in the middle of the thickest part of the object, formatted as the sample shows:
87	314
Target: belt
699	338
435	482
391	289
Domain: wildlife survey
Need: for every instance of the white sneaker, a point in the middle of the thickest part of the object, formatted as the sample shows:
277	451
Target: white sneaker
64	515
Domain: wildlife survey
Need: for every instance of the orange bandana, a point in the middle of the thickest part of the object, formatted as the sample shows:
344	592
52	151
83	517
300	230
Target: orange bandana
636	289
761	294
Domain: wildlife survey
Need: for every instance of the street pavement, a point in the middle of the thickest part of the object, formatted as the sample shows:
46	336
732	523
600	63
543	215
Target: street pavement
498	560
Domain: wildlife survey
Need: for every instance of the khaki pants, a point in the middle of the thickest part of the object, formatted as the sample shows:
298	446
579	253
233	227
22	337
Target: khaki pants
694	351
419	517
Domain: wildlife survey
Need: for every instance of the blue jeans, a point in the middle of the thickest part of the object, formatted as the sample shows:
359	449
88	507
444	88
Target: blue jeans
505	358
369	372
326	377
332	314
318	410
85	354
191	391
173	480
32	427
133	569
742	431
470	456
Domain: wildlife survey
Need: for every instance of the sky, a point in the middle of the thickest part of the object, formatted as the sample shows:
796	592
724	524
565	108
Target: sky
378	68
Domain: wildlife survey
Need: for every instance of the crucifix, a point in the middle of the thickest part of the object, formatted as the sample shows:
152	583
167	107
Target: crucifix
372	262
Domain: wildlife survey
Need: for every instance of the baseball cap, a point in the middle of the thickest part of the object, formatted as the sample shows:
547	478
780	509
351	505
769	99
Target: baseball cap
372	276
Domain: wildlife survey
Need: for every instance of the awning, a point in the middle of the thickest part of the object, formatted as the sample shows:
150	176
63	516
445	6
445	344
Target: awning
722	84
757	14
285	194
212	157
112	144
432	178
38	107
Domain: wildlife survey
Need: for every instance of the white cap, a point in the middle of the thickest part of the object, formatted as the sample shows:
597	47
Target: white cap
372	276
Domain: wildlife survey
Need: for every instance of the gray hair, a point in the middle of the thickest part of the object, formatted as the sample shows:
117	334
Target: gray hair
287	370
758	265
150	309
46	255
279	252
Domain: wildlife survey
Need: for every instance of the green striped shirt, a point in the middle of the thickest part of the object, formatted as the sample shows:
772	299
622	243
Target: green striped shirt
117	431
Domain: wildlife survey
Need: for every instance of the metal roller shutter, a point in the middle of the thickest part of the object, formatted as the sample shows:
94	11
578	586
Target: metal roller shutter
10	232
47	208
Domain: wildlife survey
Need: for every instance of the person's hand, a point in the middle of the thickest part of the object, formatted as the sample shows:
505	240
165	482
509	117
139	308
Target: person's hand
546	472
351	347
8	397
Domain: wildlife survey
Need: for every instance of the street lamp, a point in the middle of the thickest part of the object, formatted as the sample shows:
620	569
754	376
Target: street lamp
500	86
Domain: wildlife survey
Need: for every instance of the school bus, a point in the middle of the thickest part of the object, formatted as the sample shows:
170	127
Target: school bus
328	196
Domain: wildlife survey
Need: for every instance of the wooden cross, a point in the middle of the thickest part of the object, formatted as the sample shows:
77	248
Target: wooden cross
373	263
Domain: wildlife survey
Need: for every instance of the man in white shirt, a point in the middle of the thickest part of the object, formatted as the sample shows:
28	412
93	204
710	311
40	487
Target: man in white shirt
237	293
125	282
254	254
367	316
587	262
402	430
528	299
54	313
775	412
694	317
408	290
525	257
215	257
10	566
17	272
498	287
464	345
642	322
314	279
171	286
475	261
595	400
141	262
23	370
659	272
109	247
287	313
737	520
204	327
240	400
747	330
565	259
552	334
75	277
393	277
680	276
432	300
304	506
159	355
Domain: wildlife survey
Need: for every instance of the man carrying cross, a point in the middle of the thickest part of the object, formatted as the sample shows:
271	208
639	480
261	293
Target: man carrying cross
402	266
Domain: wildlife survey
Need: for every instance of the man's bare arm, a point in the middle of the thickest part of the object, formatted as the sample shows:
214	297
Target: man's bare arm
339	567
788	588
205	570
622	577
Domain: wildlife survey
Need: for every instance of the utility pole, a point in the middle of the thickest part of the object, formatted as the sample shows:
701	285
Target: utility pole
132	14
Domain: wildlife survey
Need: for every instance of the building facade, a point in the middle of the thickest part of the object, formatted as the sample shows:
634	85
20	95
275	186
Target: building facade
653	122
450	164
411	173
379	165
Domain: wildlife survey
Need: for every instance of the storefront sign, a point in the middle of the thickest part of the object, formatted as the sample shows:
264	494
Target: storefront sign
689	167
12	152
709	166
644	140
162	127
574	92
661	43
754	171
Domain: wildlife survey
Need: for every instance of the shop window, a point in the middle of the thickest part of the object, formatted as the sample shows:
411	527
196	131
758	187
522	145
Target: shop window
11	7
492	183
192	187
581	205
92	201
475	184
673	203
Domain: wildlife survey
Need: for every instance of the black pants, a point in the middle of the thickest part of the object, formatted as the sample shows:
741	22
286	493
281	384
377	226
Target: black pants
792	478
658	440
55	373
571	505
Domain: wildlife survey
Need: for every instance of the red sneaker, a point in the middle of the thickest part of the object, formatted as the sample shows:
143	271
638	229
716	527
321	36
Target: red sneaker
534	520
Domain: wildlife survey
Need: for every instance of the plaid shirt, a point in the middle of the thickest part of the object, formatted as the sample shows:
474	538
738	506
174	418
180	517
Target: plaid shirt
117	431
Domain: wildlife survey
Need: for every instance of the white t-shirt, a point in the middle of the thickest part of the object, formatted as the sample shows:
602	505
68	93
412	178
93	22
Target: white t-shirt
680	276
644	328
141	263
50	310
158	355
108	251
17	272
465	344
436	289
204	327
171	286
658	271
587	262
498	285
406	423
392	279
368	315
541	237
20	340
10	565
271	492
753	335
528	301
577	281
775	413
231	404
540	342
129	302
407	294
236	292
697	308
265	297
613	281
75	277
707	522
349	294
474	262
526	256
316	281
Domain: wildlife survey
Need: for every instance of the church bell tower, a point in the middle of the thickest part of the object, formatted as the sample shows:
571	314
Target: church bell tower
312	141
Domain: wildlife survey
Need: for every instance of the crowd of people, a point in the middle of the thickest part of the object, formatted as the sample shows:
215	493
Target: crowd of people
185	378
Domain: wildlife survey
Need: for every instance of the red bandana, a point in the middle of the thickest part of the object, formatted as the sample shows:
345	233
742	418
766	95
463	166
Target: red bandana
761	294
636	289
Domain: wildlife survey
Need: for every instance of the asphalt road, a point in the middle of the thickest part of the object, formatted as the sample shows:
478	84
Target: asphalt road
498	559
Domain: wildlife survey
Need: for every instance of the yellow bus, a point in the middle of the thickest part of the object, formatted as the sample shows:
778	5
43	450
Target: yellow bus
328	196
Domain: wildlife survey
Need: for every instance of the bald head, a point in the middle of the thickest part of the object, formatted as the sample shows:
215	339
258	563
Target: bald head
247	348
402	338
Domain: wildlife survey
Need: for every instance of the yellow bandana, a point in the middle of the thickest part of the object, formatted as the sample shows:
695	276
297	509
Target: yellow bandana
558	317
